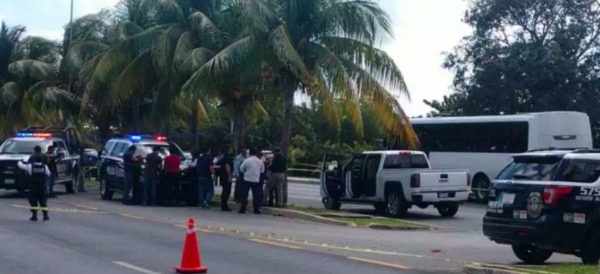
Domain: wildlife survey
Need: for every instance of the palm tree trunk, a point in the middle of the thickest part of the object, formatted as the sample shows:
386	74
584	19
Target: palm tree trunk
239	126
195	130
286	130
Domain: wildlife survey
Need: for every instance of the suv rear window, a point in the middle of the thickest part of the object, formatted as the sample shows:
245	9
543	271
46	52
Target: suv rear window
405	161
578	170
530	168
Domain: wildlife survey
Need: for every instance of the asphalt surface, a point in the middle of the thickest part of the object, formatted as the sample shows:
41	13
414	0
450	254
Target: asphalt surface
89	235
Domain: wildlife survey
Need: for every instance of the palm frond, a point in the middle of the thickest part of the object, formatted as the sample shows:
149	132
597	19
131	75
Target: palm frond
10	93
127	29
184	47
286	54
81	51
163	51
137	78
328	102
196	59
205	29
31	71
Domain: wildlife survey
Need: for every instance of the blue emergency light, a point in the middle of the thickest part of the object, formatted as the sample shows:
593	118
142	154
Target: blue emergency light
34	134
135	138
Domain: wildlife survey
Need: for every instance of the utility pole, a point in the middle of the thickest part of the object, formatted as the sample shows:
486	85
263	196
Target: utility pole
70	84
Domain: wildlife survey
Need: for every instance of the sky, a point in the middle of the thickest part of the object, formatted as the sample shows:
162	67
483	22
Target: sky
423	31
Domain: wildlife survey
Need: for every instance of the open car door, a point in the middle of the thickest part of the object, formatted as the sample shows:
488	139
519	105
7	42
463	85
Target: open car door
331	178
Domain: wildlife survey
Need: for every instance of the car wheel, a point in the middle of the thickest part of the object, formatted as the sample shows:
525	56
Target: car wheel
380	207
448	209
331	203
70	185
590	253
105	192
531	254
481	189
395	206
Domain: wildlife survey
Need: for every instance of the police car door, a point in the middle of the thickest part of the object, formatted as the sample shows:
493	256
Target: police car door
63	161
121	148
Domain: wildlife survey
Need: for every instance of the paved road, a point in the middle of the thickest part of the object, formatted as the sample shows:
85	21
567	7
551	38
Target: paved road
106	236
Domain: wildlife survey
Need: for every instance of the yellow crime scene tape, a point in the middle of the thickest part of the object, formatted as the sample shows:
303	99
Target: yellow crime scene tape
57	209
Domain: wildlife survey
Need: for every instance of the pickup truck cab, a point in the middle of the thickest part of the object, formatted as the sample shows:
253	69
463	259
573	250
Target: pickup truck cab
393	181
547	202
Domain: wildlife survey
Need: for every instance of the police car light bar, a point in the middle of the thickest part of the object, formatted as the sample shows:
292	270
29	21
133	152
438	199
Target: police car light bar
160	138
135	138
34	134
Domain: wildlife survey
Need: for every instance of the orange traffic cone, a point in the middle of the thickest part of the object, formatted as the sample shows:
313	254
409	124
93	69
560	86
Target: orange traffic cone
190	259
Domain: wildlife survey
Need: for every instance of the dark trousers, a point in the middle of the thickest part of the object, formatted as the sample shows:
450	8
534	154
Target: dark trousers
150	185
226	183
237	192
256	195
37	197
174	187
128	186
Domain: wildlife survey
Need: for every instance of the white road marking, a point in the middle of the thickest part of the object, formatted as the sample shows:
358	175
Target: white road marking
135	268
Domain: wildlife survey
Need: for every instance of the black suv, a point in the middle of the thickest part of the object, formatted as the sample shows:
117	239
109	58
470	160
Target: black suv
66	148
112	170
547	202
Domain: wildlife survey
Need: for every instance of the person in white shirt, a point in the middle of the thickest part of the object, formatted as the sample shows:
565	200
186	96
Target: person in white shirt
38	171
252	168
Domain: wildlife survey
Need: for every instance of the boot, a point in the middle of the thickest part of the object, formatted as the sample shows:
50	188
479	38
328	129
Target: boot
33	216
46	218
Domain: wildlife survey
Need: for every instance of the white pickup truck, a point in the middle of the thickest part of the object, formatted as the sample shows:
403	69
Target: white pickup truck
393	181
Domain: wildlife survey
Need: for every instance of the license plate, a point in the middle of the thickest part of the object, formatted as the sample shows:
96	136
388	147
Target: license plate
443	195
508	198
9	181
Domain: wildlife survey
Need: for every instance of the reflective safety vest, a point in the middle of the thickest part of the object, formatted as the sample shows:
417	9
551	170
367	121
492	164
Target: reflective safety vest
38	173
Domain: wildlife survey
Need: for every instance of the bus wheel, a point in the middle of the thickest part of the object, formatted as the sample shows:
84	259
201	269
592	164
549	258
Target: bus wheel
481	189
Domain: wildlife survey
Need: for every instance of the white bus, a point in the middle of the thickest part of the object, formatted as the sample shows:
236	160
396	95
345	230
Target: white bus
483	144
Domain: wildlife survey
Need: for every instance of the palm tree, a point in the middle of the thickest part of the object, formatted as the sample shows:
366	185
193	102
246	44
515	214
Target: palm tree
325	49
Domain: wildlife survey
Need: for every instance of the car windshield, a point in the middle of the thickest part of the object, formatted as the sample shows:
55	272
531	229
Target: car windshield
530	168
578	170
15	146
146	149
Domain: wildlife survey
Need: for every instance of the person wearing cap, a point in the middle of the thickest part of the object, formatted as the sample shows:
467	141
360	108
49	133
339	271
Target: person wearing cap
151	177
252	168
37	170
278	168
130	164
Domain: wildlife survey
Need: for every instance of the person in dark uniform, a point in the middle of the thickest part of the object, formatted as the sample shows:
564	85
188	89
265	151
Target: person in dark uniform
51	162
226	177
153	165
37	170
131	164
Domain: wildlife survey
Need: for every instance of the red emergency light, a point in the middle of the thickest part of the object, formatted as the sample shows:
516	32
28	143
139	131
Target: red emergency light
44	135
160	138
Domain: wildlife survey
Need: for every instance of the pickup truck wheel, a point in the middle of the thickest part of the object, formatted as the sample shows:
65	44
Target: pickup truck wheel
531	254
448	210
590	253
105	192
331	203
395	206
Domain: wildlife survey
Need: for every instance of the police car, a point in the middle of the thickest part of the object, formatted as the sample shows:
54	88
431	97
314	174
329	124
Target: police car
19	148
545	202
112	169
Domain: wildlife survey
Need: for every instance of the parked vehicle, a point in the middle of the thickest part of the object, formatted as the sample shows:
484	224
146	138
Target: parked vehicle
112	169
484	144
393	181
547	202
67	150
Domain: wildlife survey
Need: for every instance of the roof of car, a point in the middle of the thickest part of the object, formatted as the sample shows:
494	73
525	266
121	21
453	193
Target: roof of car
35	139
585	156
543	153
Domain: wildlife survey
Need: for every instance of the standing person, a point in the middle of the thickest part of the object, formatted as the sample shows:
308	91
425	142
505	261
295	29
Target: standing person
51	163
217	170
252	169
173	170
130	164
37	170
151	177
239	178
205	170
278	168
225	177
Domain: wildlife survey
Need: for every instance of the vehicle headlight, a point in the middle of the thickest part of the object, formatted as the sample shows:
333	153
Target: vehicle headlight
534	205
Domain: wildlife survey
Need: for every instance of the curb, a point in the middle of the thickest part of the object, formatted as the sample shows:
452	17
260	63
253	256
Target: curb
320	219
477	268
300	180
304	216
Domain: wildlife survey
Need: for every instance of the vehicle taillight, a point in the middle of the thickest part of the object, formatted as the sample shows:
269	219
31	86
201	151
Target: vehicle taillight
468	179
553	193
415	181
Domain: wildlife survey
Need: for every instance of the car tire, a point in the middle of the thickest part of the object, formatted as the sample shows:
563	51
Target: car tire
105	192
482	186
380	207
448	209
70	186
331	203
590	253
531	254
395	205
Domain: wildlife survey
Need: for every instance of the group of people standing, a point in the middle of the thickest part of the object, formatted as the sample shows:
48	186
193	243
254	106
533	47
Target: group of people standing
249	170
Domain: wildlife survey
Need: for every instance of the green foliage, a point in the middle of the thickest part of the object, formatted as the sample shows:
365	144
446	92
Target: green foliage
527	56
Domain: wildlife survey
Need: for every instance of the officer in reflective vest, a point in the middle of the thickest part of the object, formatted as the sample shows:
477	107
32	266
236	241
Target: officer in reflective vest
37	171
